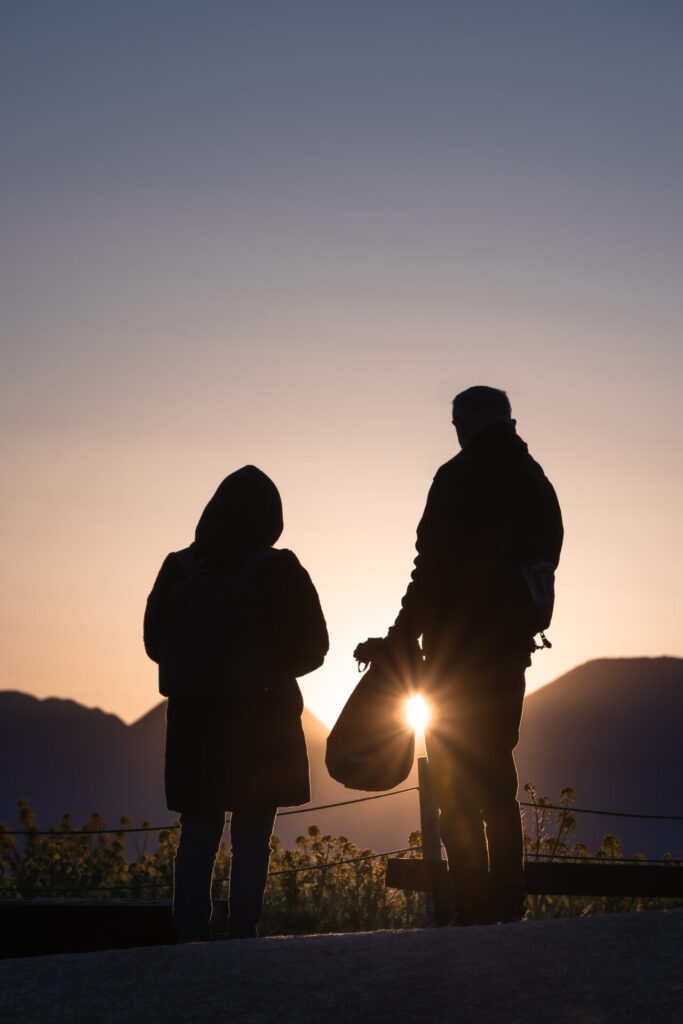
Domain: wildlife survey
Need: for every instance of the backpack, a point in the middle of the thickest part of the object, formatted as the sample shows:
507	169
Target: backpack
534	572
213	641
539	576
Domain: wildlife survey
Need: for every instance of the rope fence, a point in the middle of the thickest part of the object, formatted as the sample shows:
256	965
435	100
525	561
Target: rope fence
609	814
324	866
176	824
162	886
325	807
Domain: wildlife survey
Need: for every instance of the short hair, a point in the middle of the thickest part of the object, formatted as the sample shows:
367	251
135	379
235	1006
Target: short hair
488	405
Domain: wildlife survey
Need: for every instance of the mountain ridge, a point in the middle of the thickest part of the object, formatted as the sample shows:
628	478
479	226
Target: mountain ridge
608	728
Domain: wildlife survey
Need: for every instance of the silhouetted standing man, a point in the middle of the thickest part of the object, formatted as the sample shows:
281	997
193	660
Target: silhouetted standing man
490	514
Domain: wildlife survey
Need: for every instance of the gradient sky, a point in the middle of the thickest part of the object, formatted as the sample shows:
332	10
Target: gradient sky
287	233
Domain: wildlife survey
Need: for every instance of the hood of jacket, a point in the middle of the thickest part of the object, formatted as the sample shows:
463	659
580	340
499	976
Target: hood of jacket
244	514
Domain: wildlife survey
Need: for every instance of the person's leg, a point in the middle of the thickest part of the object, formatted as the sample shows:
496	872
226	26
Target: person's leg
250	833
504	837
454	775
499	792
470	756
200	838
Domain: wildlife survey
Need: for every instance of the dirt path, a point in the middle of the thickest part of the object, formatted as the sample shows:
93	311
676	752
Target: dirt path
580	971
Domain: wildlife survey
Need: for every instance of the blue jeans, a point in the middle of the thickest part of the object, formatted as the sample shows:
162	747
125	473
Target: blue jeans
200	837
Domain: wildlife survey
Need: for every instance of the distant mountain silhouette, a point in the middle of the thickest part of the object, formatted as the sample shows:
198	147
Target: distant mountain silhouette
609	728
65	758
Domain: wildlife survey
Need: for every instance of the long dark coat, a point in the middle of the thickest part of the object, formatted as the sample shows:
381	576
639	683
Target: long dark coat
248	750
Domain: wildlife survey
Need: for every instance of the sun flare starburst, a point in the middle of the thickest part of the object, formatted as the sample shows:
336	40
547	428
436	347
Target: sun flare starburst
417	712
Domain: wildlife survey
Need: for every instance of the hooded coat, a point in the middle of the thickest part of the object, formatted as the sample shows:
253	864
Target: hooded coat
245	750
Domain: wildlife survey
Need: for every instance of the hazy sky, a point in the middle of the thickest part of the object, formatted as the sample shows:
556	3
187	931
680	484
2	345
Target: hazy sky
287	233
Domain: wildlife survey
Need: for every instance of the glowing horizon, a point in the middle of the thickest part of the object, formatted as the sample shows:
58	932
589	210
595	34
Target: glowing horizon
288	235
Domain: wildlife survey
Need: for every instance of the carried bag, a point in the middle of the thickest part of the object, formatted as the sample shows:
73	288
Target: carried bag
213	641
371	746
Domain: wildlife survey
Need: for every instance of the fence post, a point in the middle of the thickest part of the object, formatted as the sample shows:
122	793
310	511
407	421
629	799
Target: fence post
431	837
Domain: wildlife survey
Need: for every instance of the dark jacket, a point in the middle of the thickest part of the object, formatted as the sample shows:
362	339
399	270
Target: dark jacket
489	510
246	750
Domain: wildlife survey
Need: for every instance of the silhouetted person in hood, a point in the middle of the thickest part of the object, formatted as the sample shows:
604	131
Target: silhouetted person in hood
490	514
234	740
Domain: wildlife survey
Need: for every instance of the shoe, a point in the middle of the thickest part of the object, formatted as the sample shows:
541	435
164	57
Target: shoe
508	913
468	916
241	933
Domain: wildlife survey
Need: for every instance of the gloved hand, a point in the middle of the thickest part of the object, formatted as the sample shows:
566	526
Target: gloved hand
370	650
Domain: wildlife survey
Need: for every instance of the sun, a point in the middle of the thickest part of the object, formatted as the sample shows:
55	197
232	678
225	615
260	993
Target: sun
417	712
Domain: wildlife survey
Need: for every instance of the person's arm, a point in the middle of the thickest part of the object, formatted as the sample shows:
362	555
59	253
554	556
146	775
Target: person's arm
155	610
298	628
410	621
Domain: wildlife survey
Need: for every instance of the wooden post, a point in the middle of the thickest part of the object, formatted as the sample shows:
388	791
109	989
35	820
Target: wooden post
437	908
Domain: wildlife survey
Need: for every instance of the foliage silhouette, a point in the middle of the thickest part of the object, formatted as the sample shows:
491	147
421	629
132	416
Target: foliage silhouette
550	839
329	896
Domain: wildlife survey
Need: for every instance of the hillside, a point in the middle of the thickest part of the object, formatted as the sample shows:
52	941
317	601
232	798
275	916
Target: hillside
610	728
63	757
